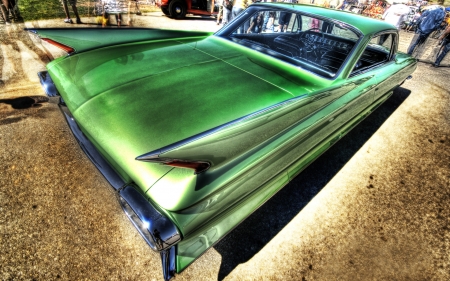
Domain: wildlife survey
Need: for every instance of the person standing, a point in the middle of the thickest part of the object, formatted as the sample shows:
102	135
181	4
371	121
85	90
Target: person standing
227	6
428	22
445	38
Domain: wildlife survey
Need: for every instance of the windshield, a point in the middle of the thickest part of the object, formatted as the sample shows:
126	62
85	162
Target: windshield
316	44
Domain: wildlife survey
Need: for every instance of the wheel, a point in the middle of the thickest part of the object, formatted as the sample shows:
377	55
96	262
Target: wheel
165	11
177	9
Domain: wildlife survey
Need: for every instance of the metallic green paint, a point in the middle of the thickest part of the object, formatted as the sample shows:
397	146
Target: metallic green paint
133	98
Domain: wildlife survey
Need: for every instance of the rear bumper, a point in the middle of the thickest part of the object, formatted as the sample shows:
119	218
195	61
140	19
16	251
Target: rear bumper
158	231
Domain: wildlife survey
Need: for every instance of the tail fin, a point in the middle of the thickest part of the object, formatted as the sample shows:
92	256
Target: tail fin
76	40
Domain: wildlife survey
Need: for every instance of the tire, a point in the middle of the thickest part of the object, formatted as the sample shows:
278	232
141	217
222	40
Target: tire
165	11
177	9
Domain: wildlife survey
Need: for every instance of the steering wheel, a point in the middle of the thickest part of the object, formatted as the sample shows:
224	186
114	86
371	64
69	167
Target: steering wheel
310	44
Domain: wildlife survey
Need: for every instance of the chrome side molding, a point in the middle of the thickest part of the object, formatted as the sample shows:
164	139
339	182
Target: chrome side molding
47	84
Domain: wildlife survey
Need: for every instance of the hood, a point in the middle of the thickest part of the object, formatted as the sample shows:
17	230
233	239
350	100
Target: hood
135	98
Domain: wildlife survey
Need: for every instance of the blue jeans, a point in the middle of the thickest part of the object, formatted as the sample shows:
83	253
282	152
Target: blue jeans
419	41
444	51
226	16
235	11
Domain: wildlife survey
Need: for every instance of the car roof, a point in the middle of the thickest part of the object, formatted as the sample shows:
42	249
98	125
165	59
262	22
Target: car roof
364	24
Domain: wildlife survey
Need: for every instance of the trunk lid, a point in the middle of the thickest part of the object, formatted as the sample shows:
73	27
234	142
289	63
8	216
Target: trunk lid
135	98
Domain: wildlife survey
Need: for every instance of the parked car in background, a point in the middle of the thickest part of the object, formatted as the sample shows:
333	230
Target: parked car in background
179	8
196	130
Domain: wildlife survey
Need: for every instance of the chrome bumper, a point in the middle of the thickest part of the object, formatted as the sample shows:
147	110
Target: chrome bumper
158	231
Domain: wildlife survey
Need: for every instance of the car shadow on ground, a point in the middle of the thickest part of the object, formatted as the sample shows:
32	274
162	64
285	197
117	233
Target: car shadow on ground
242	243
25	102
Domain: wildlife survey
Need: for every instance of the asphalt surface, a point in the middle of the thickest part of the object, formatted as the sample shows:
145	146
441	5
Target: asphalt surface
373	207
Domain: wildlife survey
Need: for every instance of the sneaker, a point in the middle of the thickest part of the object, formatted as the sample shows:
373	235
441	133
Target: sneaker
68	21
79	21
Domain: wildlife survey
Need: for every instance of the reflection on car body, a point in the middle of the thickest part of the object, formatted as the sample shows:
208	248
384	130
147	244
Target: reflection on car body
202	129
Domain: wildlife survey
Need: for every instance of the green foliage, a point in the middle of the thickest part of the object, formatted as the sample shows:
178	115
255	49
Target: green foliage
50	9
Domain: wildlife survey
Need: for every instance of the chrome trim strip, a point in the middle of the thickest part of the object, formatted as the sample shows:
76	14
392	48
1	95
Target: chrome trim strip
168	263
47	84
154	155
158	231
102	165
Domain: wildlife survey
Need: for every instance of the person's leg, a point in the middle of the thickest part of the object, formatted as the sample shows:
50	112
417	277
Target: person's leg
5	11
226	15
66	11
444	52
138	11
233	12
15	10
220	14
119	19
421	37
73	3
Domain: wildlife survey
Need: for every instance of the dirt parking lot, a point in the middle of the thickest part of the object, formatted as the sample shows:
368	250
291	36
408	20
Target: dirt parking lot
373	207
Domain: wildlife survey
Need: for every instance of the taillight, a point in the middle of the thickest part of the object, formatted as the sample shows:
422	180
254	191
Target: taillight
68	49
199	167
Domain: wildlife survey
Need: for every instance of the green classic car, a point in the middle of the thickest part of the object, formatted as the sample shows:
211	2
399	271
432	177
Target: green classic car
196	130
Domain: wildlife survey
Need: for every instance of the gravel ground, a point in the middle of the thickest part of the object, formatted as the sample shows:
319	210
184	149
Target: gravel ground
373	207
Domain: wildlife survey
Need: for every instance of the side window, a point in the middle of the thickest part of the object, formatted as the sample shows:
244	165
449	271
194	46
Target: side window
377	52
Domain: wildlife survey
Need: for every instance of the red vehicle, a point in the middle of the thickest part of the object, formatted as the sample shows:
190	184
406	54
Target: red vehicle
179	8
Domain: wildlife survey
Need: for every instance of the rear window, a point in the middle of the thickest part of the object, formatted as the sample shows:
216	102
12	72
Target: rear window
318	45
